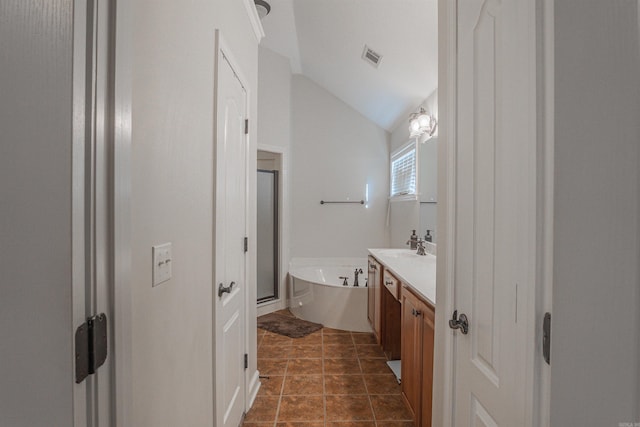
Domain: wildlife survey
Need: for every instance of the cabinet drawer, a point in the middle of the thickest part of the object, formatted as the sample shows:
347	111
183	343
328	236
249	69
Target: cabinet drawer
392	284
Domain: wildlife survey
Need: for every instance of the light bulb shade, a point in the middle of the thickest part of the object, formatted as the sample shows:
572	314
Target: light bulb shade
422	123
424	120
263	8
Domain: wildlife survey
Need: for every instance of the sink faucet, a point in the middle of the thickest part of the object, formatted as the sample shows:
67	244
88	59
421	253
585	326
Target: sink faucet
345	283
421	249
355	281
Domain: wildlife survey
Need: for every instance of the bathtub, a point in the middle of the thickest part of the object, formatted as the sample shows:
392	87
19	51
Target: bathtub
317	293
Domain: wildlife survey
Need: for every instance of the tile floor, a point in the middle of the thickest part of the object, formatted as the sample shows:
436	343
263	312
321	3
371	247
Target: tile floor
326	379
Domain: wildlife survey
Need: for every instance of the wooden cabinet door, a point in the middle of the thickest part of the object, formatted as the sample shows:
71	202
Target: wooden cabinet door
375	297
371	297
427	319
392	330
411	352
377	312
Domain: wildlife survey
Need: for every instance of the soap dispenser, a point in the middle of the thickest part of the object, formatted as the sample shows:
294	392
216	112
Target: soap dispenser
413	241
428	237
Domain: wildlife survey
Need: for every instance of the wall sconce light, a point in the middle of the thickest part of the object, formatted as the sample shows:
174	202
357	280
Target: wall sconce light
263	8
422	123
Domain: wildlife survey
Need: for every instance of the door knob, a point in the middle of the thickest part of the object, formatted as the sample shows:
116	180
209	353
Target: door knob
461	322
222	289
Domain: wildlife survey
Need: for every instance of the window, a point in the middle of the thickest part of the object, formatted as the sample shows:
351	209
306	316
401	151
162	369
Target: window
403	171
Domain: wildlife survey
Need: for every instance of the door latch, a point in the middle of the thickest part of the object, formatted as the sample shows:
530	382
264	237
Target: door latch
461	322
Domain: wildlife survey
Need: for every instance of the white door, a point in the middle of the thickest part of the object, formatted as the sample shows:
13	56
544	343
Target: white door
230	231
495	177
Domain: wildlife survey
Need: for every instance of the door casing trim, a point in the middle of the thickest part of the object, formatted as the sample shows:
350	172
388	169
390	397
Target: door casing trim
444	345
122	135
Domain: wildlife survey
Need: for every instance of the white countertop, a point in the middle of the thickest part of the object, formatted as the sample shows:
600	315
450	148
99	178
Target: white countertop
417	271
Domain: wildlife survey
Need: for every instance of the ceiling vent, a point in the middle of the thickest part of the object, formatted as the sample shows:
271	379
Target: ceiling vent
371	57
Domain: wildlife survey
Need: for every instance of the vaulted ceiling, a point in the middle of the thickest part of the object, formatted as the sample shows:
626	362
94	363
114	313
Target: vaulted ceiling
325	39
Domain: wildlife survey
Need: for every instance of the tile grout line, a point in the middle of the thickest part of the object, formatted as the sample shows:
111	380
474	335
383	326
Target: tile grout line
360	358
324	388
284	379
373	414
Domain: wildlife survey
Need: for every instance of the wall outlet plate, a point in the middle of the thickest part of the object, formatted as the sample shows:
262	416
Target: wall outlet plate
162	260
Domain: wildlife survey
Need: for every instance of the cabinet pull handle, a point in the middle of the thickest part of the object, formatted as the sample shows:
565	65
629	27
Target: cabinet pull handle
388	282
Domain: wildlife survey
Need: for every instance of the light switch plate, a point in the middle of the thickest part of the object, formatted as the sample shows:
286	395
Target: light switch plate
162	261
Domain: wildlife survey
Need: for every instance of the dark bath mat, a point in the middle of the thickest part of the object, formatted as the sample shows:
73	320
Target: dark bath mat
289	326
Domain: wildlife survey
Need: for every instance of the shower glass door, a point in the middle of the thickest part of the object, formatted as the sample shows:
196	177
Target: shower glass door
267	250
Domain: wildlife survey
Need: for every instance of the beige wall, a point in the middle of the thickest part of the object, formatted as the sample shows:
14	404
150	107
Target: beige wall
36	346
274	131
172	201
411	215
274	102
335	152
596	284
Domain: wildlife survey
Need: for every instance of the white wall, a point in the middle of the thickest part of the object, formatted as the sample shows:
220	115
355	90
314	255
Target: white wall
172	201
410	215
274	133
336	152
428	186
274	99
596	289
36	348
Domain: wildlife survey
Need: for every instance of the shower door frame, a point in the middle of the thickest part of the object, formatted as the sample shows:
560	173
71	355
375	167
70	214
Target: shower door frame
276	236
282	301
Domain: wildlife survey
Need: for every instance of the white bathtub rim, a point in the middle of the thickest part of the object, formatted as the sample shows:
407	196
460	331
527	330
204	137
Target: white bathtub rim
331	285
333	262
307	268
305	274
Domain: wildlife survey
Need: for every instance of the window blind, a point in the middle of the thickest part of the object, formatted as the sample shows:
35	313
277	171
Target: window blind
403	173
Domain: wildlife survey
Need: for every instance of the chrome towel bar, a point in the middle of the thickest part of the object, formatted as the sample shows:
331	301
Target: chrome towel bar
324	202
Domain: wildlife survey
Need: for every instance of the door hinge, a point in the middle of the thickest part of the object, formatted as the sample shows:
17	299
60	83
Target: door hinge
246	126
90	346
246	361
246	244
546	338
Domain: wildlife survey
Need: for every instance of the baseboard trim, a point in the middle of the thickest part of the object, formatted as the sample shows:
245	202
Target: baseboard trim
254	386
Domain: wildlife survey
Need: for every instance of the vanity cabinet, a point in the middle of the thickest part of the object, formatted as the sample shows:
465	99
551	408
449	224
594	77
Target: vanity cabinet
402	313
418	318
375	297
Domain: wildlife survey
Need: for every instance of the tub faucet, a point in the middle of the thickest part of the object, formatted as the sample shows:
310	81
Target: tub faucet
355	281
345	283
